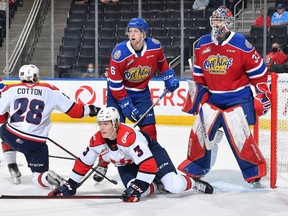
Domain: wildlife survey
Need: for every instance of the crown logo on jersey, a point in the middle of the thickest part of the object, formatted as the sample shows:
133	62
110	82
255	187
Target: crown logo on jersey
138	74
217	64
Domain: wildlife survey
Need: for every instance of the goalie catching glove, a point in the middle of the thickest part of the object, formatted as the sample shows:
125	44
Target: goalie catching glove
67	189
170	80
129	110
262	100
100	173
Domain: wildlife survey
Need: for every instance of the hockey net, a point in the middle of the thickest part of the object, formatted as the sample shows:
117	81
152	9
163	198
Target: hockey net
271	131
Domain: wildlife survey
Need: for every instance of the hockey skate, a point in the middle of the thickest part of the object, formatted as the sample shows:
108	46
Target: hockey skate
160	186
14	173
203	186
256	183
54	179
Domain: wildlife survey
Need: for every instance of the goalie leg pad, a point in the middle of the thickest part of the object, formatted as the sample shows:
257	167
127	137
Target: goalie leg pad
243	145
197	95
202	135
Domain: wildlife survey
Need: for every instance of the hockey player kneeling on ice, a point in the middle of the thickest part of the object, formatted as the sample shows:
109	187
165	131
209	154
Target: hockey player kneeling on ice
226	67
140	161
26	128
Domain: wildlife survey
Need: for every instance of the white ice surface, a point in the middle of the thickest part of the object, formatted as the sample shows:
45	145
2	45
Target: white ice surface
232	196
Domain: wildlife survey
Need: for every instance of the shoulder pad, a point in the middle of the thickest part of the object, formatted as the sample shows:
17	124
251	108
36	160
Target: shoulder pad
153	43
205	39
240	41
126	135
120	52
96	140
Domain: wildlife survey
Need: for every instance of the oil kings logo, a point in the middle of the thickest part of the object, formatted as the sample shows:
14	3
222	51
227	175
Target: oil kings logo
137	74
85	95
217	64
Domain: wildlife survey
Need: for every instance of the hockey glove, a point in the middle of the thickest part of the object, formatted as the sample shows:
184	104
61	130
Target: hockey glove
129	110
262	100
171	82
93	110
67	189
99	175
132	194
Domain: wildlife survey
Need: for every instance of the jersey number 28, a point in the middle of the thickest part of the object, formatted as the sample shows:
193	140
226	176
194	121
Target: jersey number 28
33	111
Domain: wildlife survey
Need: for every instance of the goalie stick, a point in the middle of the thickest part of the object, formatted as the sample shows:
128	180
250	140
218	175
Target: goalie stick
60	197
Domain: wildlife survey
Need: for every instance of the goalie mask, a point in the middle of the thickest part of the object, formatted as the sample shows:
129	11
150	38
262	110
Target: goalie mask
29	73
222	22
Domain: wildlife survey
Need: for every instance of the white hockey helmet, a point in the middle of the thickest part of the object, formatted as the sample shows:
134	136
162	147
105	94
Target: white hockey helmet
29	73
222	22
109	114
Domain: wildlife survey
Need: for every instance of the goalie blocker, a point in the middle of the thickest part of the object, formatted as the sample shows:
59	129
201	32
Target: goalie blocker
240	139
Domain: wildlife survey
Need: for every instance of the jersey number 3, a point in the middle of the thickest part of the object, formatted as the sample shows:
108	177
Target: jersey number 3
30	112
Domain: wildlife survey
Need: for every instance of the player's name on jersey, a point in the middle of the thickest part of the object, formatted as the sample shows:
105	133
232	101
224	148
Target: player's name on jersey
31	91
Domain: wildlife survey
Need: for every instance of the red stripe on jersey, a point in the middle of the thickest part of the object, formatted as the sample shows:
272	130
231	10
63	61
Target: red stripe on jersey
3	117
76	111
39	179
148	166
24	136
80	168
6	147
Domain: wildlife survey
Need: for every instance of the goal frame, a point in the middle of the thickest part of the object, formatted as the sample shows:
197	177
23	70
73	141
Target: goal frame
273	137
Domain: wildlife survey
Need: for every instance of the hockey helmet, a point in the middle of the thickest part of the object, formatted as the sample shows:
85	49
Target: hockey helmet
29	73
109	114
221	21
138	23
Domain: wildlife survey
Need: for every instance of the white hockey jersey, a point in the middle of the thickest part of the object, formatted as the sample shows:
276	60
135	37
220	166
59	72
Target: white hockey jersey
30	106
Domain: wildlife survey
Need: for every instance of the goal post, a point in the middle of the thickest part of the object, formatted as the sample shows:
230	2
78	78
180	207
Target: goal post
271	130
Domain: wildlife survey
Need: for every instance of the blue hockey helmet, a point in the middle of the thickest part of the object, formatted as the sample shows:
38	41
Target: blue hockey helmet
138	23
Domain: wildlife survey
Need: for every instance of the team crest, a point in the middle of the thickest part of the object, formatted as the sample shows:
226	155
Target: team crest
217	64
248	44
137	74
117	54
155	41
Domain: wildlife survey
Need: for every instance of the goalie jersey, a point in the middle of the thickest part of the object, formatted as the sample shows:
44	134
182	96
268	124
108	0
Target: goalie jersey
228	69
130	70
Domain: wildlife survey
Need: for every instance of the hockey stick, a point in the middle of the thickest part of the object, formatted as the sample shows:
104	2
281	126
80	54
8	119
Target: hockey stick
60	157
60	197
150	108
110	180
70	153
209	144
94	169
